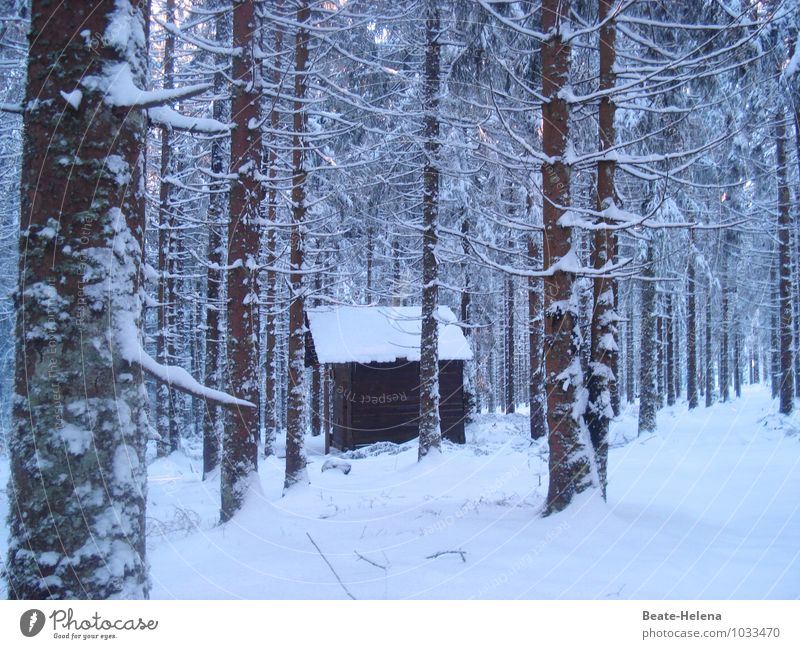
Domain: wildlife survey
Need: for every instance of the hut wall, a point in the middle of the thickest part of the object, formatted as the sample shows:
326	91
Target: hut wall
380	402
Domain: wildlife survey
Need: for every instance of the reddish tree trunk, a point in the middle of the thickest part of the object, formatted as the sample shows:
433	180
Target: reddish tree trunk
295	452
536	387
79	420
569	467
240	441
604	348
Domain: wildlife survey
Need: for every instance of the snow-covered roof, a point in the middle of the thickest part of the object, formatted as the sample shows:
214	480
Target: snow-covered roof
380	334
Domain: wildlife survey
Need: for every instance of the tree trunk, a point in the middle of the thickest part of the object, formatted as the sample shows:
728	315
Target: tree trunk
648	373
316	376
737	364
536	387
470	400
215	276
510	405
796	320
796	229
397	285
616	368
670	342
166	418
240	440
691	329
79	421
326	405
660	355
490	362
724	372
796	316
677	376
786	390
569	452
295	450
271	289
430	432
604	349
709	351
368	295
630	372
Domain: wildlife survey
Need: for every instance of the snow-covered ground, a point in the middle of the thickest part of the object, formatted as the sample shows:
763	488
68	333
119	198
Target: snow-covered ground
706	508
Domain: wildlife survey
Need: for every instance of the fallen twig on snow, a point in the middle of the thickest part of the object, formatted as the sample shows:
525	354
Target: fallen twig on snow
462	553
377	565
325	559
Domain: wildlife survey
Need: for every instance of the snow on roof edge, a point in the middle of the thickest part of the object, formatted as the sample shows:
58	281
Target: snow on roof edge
381	334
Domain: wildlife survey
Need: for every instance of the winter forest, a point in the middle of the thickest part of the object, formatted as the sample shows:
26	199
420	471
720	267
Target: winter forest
399	299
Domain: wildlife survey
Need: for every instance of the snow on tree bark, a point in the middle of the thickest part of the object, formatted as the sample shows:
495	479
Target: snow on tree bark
737	364
166	416
709	348
724	351
660	355
614	388
271	292
570	452
430	432
648	394
604	349
316	376
214	420
786	389
296	473
240	438
510	405
796	292
691	329
630	353
670	349
536	384
78	477
470	366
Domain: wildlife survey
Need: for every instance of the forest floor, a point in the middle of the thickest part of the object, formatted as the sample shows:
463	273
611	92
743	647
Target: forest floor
707	507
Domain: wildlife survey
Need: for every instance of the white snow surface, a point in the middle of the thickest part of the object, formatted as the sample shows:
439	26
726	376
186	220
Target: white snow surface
73	98
120	89
381	334
705	508
168	117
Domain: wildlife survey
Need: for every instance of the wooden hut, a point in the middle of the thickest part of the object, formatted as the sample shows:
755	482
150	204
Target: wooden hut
372	357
